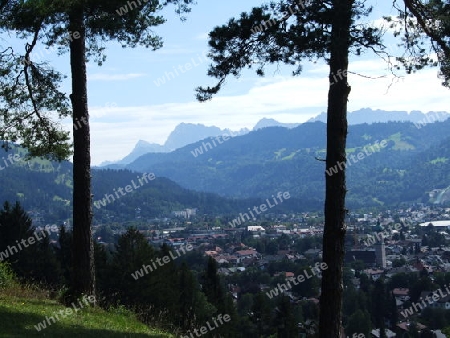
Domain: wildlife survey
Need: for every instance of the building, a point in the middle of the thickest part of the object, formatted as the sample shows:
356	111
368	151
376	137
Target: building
380	254
186	213
367	256
401	294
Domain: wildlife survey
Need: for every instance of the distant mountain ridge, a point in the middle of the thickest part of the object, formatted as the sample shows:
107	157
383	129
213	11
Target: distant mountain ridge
189	133
273	159
414	166
264	123
182	135
367	115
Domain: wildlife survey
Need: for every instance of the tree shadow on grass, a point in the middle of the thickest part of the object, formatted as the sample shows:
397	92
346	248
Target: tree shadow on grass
19	324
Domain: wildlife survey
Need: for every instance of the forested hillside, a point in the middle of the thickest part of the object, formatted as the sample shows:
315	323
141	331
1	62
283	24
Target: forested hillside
47	186
413	162
259	163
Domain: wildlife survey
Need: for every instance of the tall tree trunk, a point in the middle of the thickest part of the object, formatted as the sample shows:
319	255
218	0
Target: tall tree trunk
330	321
83	276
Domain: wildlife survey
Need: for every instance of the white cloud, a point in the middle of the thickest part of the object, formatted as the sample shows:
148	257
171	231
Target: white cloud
115	130
202	36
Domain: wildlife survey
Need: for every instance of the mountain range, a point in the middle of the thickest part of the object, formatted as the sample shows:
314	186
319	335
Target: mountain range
387	164
183	134
367	115
188	133
266	161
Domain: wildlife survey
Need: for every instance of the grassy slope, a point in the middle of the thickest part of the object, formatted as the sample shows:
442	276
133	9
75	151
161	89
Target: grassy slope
20	312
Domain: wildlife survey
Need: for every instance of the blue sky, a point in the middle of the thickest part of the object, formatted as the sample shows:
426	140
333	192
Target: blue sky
127	101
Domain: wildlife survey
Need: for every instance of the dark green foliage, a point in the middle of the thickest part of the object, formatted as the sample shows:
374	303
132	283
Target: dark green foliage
398	262
358	323
156	198
311	286
132	252
261	313
168	294
433	239
102	259
64	253
32	261
424	283
442	278
435	318
44	265
285	321
193	305
211	285
7	276
354	300
15	224
216	294
402	280
379	306
28	91
100	18
392	309
413	25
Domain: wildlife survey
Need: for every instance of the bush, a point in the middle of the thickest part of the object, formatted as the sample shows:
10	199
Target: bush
7	277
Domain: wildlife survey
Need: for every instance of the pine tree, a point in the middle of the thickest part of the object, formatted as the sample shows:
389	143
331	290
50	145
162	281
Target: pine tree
414	25
132	253
64	253
285	321
81	27
358	323
32	261
211	285
392	309
379	306
200	308
28	91
261	314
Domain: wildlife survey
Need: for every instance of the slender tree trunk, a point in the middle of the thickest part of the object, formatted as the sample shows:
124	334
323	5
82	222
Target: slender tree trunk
330	321
83	277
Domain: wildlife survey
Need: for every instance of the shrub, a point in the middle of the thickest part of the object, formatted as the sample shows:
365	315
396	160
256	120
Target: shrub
7	277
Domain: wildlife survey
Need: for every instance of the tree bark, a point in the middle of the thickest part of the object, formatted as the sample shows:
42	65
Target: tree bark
83	277
330	321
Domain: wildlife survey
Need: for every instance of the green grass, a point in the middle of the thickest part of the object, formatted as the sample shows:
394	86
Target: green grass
65	202
21	310
399	143
64	179
279	152
377	201
439	160
289	157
